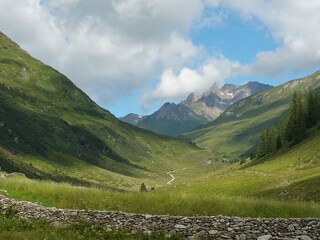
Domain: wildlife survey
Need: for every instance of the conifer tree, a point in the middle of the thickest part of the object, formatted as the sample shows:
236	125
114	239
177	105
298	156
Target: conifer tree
311	110
143	188
262	148
295	127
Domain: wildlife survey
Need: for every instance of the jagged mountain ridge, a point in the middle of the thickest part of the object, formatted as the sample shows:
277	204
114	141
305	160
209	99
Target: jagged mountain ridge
216	100
237	129
174	119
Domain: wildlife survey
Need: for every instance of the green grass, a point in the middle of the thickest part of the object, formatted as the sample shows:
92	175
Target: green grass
282	185
173	201
292	174
285	184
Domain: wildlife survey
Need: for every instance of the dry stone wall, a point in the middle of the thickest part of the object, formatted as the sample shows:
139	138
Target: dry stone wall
215	227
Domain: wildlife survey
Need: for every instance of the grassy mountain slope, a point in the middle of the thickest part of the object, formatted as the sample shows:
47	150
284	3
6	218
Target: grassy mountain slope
285	184
172	120
237	129
291	174
50	129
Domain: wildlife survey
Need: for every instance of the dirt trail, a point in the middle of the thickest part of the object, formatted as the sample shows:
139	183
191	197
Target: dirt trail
172	178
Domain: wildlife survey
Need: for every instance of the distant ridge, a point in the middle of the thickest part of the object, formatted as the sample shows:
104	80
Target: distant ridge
236	130
174	119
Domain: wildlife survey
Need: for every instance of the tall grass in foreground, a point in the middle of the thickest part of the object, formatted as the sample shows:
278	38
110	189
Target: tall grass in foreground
155	202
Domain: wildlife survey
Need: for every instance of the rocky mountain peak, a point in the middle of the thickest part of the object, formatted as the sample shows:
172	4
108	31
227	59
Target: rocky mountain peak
172	119
191	98
214	89
228	87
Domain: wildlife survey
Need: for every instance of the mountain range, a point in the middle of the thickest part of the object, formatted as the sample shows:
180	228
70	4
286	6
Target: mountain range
174	119
237	129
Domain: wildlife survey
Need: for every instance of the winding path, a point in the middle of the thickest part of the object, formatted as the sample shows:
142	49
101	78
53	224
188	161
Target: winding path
172	178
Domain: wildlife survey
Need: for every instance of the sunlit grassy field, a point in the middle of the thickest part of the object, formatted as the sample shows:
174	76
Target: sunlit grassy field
283	185
165	201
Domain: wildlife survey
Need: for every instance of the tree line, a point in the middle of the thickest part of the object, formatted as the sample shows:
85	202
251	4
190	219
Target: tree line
304	113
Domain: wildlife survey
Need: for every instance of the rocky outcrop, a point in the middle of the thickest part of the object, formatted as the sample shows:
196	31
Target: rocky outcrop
217	227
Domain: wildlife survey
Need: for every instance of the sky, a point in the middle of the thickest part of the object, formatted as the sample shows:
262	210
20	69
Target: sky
135	55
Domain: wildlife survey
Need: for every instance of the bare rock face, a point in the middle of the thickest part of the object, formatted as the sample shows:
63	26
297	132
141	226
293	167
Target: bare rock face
174	119
216	227
214	101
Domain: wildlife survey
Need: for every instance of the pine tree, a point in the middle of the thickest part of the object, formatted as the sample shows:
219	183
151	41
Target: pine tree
272	139
282	130
262	148
279	142
143	188
311	110
292	128
295	127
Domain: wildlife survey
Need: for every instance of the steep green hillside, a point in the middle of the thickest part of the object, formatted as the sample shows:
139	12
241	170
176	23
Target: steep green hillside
236	131
283	185
172	120
292	174
50	129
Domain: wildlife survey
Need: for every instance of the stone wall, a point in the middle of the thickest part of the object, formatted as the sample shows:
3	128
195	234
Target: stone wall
217	227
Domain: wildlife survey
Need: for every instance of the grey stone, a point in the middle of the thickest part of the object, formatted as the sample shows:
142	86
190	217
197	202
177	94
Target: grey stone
243	237
304	237
148	216
265	237
74	214
195	227
147	232
225	237
179	226
213	232
291	227
311	223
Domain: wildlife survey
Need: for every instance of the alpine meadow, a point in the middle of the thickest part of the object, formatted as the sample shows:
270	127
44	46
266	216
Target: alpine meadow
199	158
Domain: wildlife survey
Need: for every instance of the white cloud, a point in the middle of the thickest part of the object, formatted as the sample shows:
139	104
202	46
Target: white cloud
108	48
172	86
294	24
